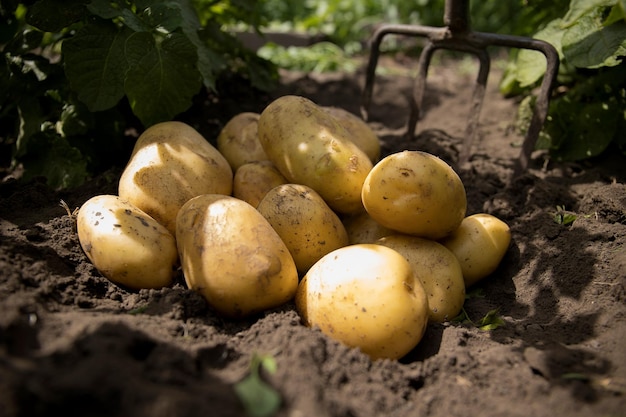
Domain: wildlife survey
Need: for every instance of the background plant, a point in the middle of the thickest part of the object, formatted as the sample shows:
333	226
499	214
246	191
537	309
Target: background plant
588	115
76	74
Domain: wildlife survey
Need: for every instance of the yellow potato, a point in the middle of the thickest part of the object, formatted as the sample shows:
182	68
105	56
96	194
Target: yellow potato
303	220
125	244
254	179
238	140
231	255
360	132
438	270
362	228
415	193
310	147
365	296
479	243
171	163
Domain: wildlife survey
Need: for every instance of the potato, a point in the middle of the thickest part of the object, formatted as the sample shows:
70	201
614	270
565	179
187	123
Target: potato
360	132
438	270
415	193
254	179
125	244
365	296
303	220
310	147
362	228
479	243
238	140
171	163
231	255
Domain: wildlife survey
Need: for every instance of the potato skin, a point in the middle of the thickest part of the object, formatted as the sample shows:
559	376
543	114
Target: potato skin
479	243
238	140
415	193
303	220
125	244
438	270
362	228
171	163
254	179
309	147
360	132
365	296
231	255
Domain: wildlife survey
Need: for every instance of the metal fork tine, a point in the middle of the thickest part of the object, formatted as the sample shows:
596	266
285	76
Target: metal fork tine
456	35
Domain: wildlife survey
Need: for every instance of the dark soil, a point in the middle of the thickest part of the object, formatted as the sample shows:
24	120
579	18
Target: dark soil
74	344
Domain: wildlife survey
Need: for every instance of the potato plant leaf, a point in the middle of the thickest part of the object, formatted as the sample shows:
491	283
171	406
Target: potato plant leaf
531	65
54	15
161	79
208	62
107	10
55	159
95	64
588	117
579	8
590	44
258	398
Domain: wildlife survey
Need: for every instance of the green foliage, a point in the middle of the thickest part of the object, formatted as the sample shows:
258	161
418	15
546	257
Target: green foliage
319	57
590	114
563	217
75	74
489	321
258	398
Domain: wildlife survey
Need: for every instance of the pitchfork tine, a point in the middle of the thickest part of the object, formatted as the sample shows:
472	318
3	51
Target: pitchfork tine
456	35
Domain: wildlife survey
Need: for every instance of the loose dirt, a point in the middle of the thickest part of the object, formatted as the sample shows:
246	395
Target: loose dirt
73	343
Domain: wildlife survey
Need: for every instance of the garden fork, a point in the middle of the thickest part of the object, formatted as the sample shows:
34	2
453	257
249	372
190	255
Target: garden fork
457	35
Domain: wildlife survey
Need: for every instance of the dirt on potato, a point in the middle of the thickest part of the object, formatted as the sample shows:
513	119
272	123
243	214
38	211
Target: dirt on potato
73	343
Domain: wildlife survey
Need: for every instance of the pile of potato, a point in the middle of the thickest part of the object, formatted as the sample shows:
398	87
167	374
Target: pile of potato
295	204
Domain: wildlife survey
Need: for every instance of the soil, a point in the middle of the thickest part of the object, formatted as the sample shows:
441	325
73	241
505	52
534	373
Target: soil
73	343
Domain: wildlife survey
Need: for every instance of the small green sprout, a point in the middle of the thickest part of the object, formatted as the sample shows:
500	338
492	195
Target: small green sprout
576	376
259	398
138	310
490	321
563	217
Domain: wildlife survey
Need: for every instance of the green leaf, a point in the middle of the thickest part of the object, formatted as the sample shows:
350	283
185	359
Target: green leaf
208	63
104	9
617	13
108	10
75	120
590	44
579	8
588	128
162	16
95	64
531	65
31	118
577	376
162	78
491	321
55	15
563	217
52	157
258	398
